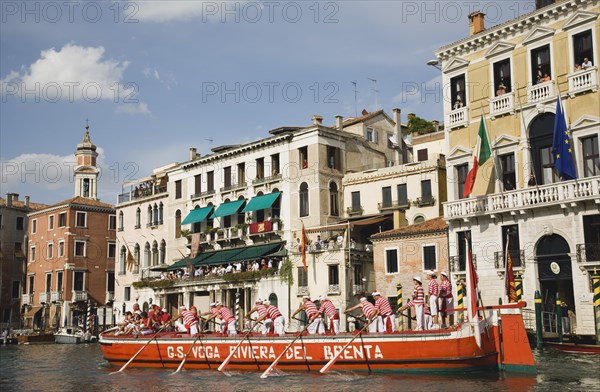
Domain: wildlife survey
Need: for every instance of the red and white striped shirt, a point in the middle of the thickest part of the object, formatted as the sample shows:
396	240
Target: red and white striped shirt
261	309
433	288
189	318
214	310
328	308
310	308
368	309
385	309
418	295
273	312
225	315
446	289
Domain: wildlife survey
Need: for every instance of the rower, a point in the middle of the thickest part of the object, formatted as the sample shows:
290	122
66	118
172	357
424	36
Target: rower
227	316
333	318
262	311
315	322
370	312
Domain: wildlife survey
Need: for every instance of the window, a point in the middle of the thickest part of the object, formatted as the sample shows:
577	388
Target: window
33	226
502	77
50	250
121	221
80	219
51	222
112	222
457	92
334	275
178	189
61	248
302	277
355	197
402	195
507	163
110	281
138	218
303	199
510	233
149	216
122	260
78	281
303	157
178	224
422	155
462	237
358	274
386	196
419	219
59	281
210	181
31	286
371	135
80	248
160	213
16	289
147	255
155	215
429	259
197	184
548	173
20	222
155	253
112	250
32	253
334	208
62	219
391	261
136	257
163	251
334	158
260	168
591	160
127	293
540	64
19	250
275	164
461	178
227	176
241	173
426	191
582	47
48	286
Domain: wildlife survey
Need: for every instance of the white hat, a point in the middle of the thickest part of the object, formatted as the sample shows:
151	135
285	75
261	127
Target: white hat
213	304
322	298
218	303
444	273
418	279
376	293
182	307
430	272
266	302
164	310
362	299
306	297
258	301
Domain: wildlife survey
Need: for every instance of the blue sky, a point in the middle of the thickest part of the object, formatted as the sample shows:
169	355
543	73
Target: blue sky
157	77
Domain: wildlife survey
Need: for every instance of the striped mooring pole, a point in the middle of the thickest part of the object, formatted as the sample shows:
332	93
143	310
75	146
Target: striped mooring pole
559	323
237	306
409	315
539	332
399	303
459	297
519	286
596	289
88	317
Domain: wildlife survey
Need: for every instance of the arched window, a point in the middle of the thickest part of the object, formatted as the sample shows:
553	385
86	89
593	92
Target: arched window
210	222
155	215
160	213
163	251
136	256
276	207
260	214
273	299
419	218
149	217
155	253
120	220
334	207
303	199
138	218
178	224
122	260
147	255
226	220
541	132
240	215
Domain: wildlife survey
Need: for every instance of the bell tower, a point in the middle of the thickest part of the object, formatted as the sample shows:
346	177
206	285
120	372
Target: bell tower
86	172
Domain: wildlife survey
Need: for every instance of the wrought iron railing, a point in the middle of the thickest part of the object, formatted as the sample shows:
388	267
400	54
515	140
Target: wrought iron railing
588	253
516	256
459	263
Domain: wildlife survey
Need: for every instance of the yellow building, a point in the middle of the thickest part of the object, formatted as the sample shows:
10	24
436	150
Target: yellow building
512	74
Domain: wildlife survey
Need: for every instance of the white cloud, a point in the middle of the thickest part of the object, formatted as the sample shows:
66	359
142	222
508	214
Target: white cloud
165	78
131	108
73	73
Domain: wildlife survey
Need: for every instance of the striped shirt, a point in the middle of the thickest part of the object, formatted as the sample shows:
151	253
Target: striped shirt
225	315
310	308
418	295
273	312
368	309
261	309
328	308
446	289
189	318
433	288
384	306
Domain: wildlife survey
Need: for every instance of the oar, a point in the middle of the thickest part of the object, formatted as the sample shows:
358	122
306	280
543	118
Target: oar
329	364
186	355
141	349
226	361
270	369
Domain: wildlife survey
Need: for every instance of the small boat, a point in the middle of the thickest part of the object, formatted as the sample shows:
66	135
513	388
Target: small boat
69	336
35	338
574	347
502	345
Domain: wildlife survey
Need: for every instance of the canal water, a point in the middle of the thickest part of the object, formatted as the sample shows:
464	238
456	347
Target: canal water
80	368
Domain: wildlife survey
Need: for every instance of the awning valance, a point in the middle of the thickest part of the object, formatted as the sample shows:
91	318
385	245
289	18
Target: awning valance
197	215
232	255
343	226
227	209
261	202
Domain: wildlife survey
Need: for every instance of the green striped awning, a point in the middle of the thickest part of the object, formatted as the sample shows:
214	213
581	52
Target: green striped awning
240	254
261	202
227	209
197	215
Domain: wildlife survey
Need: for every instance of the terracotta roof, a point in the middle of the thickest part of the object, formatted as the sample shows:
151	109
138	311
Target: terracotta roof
82	201
436	225
21	204
352	121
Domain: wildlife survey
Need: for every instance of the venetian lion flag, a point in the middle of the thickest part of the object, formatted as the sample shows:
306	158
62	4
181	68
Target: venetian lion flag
472	295
480	179
303	245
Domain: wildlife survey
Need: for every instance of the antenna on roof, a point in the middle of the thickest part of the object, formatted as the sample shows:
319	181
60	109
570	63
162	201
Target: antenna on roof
355	105
376	90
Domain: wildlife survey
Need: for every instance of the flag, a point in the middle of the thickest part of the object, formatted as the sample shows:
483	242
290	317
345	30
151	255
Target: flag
130	259
188	263
481	175
509	277
472	295
561	146
303	245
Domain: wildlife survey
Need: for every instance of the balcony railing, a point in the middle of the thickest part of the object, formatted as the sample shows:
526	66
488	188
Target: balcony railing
563	194
233	187
425	201
583	80
45	297
80	295
354	210
516	256
333	289
56	296
502	104
302	290
266	180
203	194
27	299
394	205
110	296
458	118
140	193
459	263
588	253
358	288
540	92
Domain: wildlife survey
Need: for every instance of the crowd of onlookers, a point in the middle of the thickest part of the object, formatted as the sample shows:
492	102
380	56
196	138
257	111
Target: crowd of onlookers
223	269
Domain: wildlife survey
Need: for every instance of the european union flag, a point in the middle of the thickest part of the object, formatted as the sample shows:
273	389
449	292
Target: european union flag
562	150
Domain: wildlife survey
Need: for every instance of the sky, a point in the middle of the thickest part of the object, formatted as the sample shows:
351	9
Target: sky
153	78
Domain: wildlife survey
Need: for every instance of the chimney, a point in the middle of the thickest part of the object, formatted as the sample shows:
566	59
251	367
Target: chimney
317	120
9	197
192	153
339	123
436	125
396	113
27	201
410	115
476	22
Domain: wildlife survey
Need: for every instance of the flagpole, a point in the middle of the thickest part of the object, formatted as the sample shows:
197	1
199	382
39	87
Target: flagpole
531	169
494	152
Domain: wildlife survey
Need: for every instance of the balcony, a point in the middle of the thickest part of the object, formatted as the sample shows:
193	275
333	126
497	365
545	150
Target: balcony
141	193
354	210
425	201
540	92
516	256
45	297
333	289
203	194
234	187
582	81
458	118
358	289
502	104
266	180
459	263
27	299
56	296
561	194
302	290
588	255
79	296
394	205
110	296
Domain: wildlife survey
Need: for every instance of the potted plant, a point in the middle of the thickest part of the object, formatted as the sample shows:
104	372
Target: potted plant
241	228
187	233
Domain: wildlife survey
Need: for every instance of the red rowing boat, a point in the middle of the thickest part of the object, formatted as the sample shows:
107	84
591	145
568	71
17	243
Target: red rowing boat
503	345
574	347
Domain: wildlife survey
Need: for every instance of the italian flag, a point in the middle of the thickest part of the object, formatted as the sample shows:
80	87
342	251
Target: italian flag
481	177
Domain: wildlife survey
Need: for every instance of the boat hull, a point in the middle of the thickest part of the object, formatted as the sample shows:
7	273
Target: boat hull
67	339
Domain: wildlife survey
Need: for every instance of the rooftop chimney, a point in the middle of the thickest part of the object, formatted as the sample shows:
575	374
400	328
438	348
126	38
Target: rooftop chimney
27	201
339	122
436	125
410	115
9	200
192	154
476	22
317	120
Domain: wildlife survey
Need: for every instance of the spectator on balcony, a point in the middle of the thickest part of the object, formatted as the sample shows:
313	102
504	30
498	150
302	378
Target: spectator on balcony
546	77
508	186
577	67
458	103
501	90
238	267
319	244
586	64
339	240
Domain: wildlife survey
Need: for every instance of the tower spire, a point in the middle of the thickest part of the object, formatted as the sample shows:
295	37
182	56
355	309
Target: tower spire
86	172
